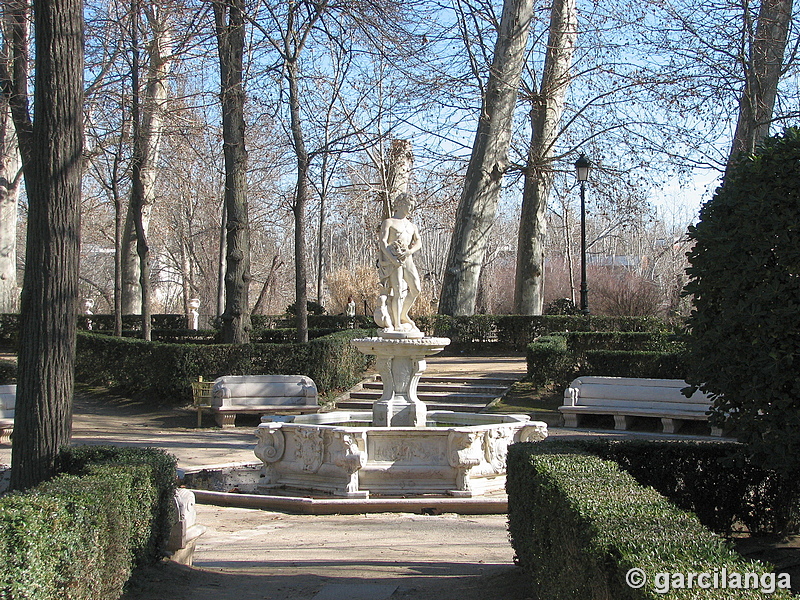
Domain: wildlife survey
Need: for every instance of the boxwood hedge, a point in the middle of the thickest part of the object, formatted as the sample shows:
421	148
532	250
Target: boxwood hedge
579	524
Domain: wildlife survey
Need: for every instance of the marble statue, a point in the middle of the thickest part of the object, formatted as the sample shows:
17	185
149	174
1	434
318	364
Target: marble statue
399	239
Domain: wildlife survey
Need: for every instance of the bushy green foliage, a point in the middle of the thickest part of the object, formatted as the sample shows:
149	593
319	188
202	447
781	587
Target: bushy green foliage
578	523
744	347
9	328
313	308
79	535
164	372
517	331
709	478
549	360
560	357
153	469
621	363
8	371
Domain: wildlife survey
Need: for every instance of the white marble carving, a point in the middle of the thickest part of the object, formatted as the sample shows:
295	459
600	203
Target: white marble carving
185	530
461	460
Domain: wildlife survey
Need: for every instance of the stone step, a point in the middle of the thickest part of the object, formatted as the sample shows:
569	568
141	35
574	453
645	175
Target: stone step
450	387
450	396
456	392
366	405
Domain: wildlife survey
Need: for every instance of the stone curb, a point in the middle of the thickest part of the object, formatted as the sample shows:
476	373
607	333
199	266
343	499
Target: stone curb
345	506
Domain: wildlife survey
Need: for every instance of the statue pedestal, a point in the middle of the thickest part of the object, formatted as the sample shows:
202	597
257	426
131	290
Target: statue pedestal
400	362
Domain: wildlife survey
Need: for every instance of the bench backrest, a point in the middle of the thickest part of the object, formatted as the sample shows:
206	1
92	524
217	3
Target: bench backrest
622	391
264	389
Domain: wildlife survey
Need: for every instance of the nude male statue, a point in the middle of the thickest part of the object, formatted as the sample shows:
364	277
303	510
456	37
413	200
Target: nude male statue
399	239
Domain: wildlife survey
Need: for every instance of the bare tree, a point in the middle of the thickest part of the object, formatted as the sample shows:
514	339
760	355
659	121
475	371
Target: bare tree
476	209
229	19
148	103
52	152
762	61
546	110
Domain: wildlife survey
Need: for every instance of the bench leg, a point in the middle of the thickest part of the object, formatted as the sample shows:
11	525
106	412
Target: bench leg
226	420
570	419
5	434
621	422
716	431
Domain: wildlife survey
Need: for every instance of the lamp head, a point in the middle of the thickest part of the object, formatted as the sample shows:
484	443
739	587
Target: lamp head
582	167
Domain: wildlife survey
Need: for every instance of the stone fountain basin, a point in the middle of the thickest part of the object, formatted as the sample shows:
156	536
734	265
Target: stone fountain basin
340	453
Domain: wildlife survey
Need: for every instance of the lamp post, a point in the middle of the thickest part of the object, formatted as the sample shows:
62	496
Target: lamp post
582	167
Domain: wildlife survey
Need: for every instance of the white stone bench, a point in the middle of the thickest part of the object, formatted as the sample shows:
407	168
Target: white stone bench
8	400
625	397
262	394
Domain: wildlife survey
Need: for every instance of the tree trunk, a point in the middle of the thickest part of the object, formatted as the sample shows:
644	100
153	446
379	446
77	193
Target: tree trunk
546	112
150	129
762	74
478	203
300	200
277	263
398	173
236	324
52	159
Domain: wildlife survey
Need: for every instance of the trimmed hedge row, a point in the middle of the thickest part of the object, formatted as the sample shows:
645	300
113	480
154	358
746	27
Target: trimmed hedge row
79	536
549	360
619	363
560	357
164	372
714	480
517	331
579	523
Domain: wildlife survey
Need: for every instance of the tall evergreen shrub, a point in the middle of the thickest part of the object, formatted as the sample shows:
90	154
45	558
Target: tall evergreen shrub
744	347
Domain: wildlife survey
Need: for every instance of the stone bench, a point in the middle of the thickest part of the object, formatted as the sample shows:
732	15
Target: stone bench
627	397
8	400
261	394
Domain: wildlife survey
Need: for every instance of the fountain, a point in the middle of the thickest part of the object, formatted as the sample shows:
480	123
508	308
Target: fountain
399	448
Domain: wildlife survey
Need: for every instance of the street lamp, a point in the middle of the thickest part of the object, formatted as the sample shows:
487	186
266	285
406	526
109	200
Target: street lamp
582	167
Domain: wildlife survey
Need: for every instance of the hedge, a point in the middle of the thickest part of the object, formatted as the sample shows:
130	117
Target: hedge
549	360
560	357
713	479
516	331
163	372
78	536
620	363
579	523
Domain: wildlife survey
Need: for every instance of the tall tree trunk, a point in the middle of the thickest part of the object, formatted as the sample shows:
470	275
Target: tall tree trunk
223	243
138	207
762	74
52	151
300	201
546	112
236	324
150	127
478	203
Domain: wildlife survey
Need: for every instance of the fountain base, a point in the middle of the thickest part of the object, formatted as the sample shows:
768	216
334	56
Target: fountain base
344	455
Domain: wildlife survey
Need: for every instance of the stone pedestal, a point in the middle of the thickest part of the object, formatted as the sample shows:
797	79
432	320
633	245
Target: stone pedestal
400	363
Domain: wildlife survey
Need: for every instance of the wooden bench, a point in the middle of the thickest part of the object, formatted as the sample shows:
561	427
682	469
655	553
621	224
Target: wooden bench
201	397
8	400
625	397
262	394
